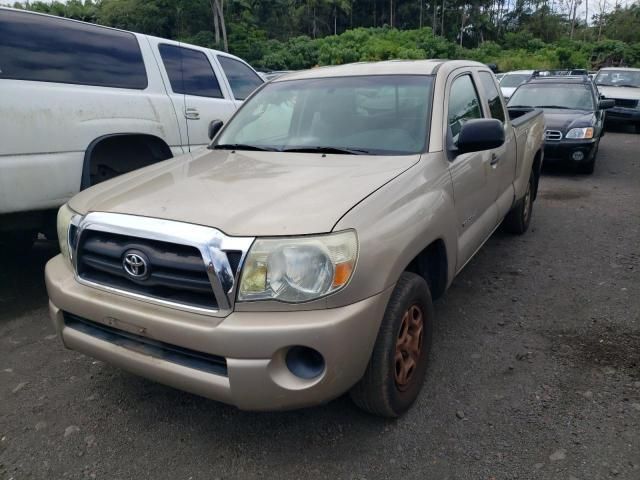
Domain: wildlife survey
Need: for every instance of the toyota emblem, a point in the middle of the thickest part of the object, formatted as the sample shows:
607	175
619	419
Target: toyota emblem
136	265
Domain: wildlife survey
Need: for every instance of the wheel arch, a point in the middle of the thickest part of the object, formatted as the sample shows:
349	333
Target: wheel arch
537	169
153	142
432	264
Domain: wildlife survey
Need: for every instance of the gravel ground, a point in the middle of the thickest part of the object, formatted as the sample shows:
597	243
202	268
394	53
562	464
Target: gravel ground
535	372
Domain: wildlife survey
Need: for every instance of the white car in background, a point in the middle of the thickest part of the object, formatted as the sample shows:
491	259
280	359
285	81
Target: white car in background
623	86
82	103
512	80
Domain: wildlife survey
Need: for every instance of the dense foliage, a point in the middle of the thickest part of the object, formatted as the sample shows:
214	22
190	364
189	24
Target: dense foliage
294	34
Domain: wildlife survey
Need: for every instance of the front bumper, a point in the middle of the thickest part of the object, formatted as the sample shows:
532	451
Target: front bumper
622	114
563	150
253	344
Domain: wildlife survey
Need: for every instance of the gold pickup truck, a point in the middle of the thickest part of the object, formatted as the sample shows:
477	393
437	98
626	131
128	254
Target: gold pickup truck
297	257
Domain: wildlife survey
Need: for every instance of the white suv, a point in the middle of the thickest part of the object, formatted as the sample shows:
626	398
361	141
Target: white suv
82	103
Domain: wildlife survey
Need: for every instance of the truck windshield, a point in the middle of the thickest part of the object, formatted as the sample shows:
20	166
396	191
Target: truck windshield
563	96
375	115
619	78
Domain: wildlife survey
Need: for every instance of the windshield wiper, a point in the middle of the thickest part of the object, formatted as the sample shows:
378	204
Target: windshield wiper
242	146
630	86
338	150
555	106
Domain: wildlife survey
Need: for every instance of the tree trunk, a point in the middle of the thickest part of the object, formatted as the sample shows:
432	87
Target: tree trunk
586	17
434	21
442	20
350	13
313	28
420	22
223	27
375	4
391	13
216	28
573	18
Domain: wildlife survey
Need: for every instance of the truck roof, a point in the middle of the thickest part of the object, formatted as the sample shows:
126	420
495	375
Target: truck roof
389	67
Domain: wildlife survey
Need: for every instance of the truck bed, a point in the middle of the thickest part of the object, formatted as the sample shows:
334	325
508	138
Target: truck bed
520	116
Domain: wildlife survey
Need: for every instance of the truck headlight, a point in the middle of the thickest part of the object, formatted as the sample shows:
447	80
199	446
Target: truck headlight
66	231
298	269
580	133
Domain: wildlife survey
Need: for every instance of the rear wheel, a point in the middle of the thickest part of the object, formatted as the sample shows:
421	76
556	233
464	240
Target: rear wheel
518	219
396	370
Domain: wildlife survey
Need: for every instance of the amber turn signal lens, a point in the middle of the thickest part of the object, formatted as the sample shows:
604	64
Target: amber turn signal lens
342	273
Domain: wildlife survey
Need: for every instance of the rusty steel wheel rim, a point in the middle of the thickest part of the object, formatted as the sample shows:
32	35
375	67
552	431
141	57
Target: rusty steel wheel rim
408	346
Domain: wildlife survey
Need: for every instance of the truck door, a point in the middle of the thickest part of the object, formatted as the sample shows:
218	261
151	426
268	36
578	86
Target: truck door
472	174
505	156
195	90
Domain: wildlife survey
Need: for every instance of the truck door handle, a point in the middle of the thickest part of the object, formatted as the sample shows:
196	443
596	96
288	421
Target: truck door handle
494	159
191	113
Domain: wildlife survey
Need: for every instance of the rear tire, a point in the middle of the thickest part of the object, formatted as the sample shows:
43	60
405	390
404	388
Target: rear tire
396	369
518	219
637	127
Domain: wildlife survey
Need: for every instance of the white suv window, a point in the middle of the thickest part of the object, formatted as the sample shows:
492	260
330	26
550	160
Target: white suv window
189	72
47	49
242	79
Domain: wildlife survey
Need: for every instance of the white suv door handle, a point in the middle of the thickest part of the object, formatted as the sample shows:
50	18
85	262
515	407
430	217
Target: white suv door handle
191	113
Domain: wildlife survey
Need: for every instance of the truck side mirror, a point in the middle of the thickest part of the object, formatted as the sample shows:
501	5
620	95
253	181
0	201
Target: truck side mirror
214	127
480	134
605	104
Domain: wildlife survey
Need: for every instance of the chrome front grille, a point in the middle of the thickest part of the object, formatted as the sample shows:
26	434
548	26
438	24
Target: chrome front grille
553	135
184	266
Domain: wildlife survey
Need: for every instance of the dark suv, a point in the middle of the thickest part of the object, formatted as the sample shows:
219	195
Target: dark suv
574	116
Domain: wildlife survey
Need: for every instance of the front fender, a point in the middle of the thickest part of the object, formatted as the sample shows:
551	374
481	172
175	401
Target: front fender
396	223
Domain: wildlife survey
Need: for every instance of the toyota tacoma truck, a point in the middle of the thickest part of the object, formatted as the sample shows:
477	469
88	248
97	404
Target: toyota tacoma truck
297	257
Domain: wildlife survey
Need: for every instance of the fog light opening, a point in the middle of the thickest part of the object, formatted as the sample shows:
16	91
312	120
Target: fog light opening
304	362
578	155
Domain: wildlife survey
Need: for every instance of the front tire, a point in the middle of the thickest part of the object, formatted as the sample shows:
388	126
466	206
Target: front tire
17	243
587	167
518	219
397	366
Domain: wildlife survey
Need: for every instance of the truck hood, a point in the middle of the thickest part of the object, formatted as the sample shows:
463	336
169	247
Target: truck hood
247	193
564	120
627	93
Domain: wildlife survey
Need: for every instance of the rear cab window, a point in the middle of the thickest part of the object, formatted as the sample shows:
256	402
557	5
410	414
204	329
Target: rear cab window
189	71
49	49
496	108
464	105
242	79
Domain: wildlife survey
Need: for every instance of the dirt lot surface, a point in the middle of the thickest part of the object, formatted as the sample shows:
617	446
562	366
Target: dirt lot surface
535	372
